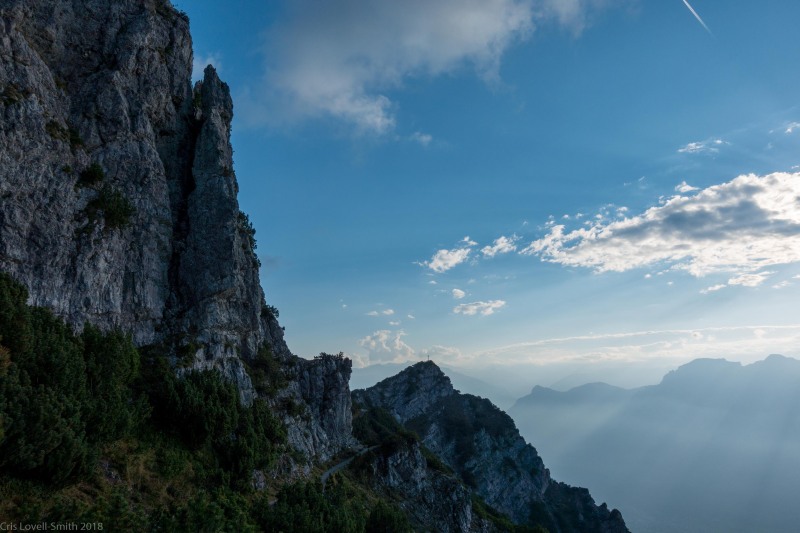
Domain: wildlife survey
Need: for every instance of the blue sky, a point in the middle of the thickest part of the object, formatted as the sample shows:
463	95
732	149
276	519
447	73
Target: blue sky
576	184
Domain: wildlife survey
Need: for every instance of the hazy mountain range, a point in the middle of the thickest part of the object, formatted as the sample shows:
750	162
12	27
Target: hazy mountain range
714	447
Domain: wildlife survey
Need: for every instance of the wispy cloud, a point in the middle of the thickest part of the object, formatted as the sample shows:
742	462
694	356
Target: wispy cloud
684	187
791	127
483	308
199	64
575	15
739	227
737	342
501	245
422	138
709	146
458	294
713	288
385	312
745	280
342	59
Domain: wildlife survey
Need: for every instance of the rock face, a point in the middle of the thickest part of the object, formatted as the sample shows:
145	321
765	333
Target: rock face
482	445
322	385
118	199
432	500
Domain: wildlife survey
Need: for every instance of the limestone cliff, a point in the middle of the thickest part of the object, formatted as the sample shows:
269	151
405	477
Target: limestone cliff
118	198
483	447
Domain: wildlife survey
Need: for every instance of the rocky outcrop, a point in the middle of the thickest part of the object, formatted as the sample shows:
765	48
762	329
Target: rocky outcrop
482	445
118	198
325	425
432	500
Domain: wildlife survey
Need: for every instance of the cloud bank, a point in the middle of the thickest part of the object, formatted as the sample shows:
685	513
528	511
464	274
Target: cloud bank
740	228
385	345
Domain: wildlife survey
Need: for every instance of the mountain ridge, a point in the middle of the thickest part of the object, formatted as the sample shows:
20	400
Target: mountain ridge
482	445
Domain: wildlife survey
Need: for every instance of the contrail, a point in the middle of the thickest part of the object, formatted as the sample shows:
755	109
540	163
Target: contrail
697	16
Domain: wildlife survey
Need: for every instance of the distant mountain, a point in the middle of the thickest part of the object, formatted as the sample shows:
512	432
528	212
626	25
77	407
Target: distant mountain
714	447
480	444
365	377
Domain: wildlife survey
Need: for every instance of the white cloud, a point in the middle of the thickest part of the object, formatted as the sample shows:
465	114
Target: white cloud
394	323
684	187
713	288
385	345
443	260
386	312
753	279
484	308
502	245
750	280
791	127
711	146
341	59
739	228
458	294
782	284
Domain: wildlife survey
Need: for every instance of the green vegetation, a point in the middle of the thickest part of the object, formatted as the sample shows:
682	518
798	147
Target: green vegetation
265	371
91	175
10	95
246	229
377	427
64	134
500	521
270	311
116	209
94	430
386	519
61	395
203	412
303	507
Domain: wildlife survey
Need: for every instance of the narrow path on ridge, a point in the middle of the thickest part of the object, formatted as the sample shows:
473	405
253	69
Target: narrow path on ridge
339	466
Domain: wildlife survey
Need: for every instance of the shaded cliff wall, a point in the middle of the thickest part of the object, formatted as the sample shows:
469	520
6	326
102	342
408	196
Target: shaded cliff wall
118	199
